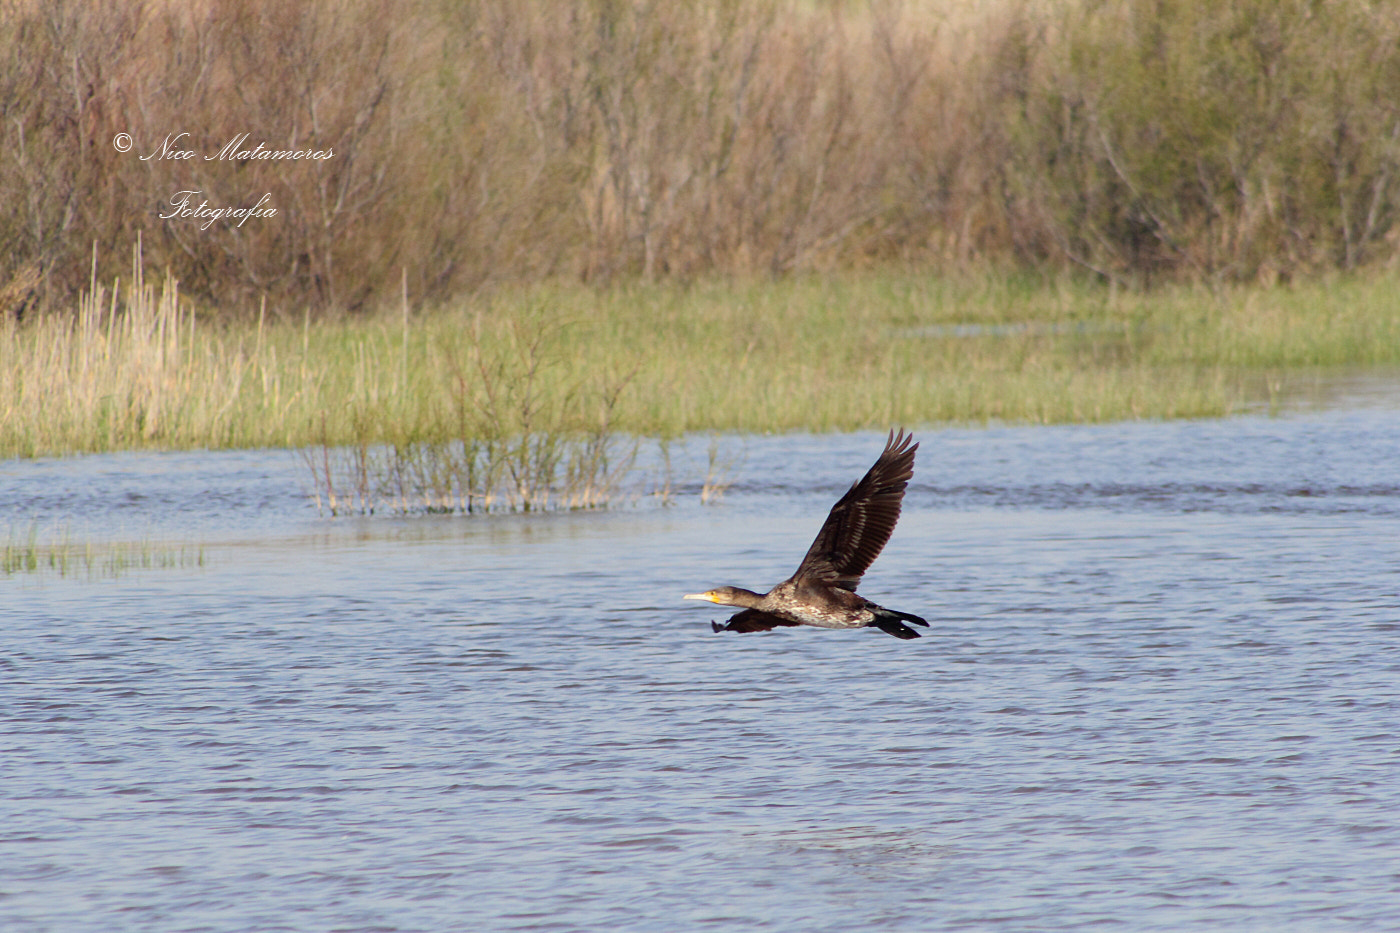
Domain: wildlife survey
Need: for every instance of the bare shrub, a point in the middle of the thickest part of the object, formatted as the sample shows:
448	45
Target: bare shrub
477	143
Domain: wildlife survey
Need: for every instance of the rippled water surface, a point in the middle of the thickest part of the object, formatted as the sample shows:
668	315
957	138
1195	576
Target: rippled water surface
1161	692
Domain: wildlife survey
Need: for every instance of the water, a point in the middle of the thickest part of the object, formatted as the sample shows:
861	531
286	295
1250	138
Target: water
1162	692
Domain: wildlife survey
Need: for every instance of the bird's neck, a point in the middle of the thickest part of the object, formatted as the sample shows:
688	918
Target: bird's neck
746	599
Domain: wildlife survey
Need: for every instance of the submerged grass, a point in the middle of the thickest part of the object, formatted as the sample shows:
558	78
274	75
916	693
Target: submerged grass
27	554
513	395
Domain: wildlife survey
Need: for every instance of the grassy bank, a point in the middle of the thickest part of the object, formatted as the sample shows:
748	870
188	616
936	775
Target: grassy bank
137	369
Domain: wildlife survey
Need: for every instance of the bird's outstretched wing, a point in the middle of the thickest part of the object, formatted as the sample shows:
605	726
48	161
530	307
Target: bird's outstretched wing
862	520
751	620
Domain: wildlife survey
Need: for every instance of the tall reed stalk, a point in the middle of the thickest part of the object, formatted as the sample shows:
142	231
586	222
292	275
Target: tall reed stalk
129	369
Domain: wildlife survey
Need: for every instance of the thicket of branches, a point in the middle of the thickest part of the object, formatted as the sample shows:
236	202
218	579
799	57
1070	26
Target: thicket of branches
485	141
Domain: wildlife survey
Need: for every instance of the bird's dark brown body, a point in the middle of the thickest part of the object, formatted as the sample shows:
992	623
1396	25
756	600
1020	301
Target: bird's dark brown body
822	592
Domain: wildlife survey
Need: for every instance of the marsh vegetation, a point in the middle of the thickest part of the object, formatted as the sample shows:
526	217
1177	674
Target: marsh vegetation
501	396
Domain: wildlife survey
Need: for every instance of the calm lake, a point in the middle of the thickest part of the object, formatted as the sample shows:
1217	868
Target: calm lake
1161	692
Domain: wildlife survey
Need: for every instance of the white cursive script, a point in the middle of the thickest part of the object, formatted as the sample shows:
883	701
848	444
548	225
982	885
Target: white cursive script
170	150
182	208
236	150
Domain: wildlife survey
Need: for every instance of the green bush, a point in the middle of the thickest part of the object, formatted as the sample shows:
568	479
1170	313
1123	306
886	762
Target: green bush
1210	140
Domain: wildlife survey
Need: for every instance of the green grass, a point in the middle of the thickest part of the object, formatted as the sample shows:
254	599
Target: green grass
803	353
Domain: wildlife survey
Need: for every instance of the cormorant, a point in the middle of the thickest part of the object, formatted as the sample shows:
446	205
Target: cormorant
823	590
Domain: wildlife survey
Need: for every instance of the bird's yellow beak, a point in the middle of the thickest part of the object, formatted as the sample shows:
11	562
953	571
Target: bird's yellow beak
707	597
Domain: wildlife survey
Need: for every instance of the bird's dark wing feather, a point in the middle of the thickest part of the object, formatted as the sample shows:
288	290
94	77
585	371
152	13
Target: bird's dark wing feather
862	520
751	620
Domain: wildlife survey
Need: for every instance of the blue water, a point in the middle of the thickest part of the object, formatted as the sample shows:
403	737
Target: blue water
1161	692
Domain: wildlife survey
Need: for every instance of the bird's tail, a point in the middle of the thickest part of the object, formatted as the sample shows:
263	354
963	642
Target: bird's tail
890	621
897	629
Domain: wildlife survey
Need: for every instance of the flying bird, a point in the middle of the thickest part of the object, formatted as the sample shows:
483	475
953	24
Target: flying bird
823	590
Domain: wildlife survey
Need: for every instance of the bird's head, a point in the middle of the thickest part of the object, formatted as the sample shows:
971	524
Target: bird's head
721	595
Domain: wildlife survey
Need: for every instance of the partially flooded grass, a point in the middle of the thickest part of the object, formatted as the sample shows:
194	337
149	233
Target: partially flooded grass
527	397
26	553
533	473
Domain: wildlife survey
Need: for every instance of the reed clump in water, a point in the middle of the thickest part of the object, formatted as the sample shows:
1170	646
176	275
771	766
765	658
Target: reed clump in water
515	433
